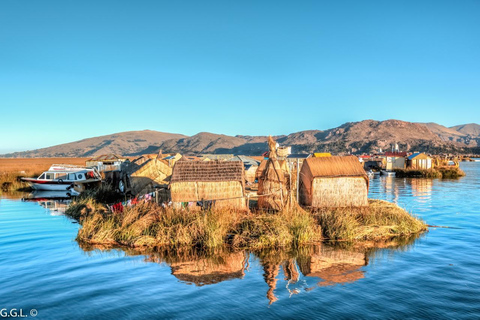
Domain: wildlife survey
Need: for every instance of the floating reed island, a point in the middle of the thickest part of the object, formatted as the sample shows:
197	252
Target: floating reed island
209	208
150	225
450	172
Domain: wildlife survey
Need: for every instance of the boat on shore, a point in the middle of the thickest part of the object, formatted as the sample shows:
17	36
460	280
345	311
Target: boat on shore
64	177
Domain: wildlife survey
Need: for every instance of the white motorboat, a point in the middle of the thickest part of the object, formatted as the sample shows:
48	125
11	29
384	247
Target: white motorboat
64	177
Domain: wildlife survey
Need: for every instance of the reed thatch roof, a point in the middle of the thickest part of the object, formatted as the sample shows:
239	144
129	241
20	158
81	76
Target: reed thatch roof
263	165
327	167
208	171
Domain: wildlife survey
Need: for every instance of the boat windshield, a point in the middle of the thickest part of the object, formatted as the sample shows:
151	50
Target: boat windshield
42	176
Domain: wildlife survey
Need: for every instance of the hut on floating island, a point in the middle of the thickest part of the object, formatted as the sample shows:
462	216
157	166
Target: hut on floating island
220	183
148	172
419	161
333	182
273	181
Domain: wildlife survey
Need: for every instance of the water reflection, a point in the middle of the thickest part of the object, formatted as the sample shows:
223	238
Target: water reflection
286	272
56	202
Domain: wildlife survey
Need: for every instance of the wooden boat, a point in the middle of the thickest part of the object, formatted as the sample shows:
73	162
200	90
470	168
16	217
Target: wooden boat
64	177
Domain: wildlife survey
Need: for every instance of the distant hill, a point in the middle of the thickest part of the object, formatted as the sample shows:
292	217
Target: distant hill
124	143
471	129
358	137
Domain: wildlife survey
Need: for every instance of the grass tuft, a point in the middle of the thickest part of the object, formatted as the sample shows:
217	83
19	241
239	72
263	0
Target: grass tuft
380	220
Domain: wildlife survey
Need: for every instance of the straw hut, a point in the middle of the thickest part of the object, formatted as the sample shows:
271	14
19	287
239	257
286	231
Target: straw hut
147	172
273	181
220	181
333	182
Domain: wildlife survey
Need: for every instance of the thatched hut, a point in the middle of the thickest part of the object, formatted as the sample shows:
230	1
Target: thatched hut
333	182
220	181
273	180
273	184
147	172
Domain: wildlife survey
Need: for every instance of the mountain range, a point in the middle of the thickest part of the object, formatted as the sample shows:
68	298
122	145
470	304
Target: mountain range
366	136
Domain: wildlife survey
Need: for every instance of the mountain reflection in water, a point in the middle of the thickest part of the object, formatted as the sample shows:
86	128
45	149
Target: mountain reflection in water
303	269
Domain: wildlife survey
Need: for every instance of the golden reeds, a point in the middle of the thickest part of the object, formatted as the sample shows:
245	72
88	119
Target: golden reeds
380	220
12	169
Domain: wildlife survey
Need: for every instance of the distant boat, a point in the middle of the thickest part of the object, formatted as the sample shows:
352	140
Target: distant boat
388	173
64	177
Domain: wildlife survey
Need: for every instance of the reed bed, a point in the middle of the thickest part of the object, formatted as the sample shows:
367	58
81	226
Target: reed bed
12	169
149	225
380	220
439	172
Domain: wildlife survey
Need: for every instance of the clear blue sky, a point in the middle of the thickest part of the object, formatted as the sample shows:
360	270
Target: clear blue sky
75	69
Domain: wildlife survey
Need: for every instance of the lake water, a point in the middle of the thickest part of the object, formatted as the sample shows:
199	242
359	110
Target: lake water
435	276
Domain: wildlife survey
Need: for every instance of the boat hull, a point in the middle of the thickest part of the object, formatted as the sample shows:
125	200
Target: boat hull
50	186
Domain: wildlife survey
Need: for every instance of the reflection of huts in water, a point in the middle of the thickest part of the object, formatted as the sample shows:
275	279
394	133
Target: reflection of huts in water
250	165
333	182
220	181
422	187
273	184
209	271
334	266
270	273
149	171
290	270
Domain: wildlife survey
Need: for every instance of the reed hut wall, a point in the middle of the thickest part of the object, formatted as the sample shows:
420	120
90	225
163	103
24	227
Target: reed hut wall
222	181
273	184
151	173
250	174
333	182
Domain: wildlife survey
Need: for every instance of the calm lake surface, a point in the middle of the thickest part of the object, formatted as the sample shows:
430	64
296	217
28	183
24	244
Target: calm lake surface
434	276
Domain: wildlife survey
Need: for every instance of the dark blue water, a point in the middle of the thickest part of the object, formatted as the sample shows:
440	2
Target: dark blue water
436	276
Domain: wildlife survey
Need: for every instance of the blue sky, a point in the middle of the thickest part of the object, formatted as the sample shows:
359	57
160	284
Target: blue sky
75	69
